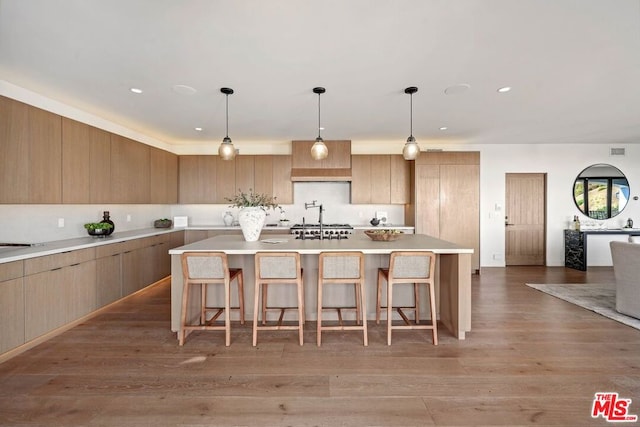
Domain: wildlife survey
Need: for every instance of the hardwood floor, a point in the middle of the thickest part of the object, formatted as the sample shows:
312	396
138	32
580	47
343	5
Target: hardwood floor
530	359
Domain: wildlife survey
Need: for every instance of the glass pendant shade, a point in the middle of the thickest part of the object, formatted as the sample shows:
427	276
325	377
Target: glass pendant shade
319	150
227	151
411	150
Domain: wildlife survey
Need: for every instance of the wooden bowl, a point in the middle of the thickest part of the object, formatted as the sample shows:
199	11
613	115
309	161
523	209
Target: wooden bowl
383	235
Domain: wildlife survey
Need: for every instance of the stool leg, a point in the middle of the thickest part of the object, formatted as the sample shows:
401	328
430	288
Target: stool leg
227	313
183	316
264	303
378	297
416	298
389	308
240	281
434	316
363	307
319	328
256	303
300	312
358	305
203	304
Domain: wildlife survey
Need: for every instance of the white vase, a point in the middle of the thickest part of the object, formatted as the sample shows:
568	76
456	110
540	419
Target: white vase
251	221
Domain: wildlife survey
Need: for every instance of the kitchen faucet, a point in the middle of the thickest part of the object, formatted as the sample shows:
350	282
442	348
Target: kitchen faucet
320	209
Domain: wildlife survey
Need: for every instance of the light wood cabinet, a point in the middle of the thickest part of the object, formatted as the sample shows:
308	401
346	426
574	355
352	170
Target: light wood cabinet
281	179
209	179
40	294
14	146
446	199
379	179
86	163
11	305
336	167
45	156
31	164
109	273
163	176
197	179
129	171
58	296
225	179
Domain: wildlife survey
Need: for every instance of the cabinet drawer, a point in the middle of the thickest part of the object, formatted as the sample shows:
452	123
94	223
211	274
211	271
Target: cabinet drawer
11	270
51	262
111	249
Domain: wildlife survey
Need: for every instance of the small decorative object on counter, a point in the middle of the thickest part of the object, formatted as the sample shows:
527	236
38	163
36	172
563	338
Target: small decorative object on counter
107	219
162	223
253	212
284	222
629	223
228	218
384	235
99	229
576	223
374	221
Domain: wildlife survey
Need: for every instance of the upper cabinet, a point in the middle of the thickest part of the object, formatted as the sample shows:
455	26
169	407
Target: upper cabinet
31	163
163	176
86	163
209	179
129	171
379	179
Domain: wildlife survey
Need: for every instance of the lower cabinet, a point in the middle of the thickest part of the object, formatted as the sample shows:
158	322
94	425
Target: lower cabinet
56	297
40	294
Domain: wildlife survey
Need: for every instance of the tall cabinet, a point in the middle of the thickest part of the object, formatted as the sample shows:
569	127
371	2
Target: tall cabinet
445	198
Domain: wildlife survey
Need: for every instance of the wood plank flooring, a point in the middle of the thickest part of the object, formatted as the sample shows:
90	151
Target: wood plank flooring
530	359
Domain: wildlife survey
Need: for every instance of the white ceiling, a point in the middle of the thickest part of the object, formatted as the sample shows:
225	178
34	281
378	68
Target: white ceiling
573	66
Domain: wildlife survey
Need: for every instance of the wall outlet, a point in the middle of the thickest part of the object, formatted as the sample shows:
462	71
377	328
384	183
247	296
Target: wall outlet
128	218
60	222
497	257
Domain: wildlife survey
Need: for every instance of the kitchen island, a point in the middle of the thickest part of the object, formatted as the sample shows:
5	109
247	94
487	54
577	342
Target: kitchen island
453	272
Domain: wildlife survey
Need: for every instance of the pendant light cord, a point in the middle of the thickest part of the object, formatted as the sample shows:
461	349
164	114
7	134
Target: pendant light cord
319	117
411	117
227	110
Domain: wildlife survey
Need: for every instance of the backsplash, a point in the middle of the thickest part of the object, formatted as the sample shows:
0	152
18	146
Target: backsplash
334	197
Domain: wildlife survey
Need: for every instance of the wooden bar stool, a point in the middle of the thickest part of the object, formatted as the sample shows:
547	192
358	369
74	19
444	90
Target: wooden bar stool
343	268
277	268
203	269
408	267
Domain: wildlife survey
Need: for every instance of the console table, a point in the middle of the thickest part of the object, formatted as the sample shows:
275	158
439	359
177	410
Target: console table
575	245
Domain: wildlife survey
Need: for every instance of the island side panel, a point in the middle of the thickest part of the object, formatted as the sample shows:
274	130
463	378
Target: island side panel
455	293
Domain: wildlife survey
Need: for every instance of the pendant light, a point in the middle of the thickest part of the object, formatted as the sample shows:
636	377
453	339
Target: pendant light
319	150
227	151
411	150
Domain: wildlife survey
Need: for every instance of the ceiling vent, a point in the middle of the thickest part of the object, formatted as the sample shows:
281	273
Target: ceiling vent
616	151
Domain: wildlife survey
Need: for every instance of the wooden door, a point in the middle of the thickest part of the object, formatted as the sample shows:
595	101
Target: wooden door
525	219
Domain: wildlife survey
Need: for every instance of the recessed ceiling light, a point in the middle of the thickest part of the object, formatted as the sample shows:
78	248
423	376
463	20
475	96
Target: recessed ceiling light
457	89
504	89
184	89
198	129
135	90
443	128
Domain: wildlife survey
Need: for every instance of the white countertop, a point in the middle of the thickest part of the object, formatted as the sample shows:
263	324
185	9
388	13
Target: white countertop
58	246
236	245
10	254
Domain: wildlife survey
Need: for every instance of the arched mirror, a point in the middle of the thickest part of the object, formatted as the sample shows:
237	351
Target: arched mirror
601	191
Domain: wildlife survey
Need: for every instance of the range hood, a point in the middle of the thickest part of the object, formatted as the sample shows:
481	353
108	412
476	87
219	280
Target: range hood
336	167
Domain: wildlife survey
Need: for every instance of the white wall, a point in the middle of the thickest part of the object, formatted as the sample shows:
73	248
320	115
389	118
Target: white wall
562	163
